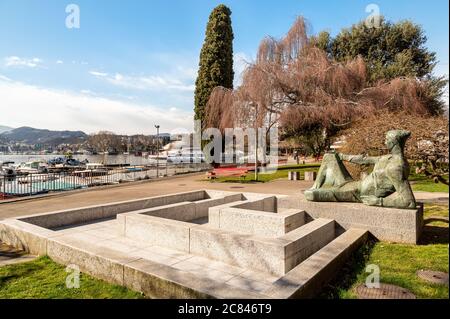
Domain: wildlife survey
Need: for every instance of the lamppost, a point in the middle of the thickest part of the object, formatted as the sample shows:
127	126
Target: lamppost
157	151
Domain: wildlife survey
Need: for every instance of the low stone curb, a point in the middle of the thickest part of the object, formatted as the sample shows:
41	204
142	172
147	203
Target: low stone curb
71	192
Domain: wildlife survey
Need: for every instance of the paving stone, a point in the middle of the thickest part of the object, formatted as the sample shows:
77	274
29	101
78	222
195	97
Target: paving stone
152	256
104	233
203	271
202	261
248	284
259	276
169	252
119	244
122	241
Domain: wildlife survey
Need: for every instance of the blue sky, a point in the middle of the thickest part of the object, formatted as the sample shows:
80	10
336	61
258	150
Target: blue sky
132	64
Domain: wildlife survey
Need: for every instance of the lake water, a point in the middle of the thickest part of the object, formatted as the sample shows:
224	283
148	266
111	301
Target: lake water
105	159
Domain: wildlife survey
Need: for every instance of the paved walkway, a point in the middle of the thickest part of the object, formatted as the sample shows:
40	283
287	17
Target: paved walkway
428	197
147	189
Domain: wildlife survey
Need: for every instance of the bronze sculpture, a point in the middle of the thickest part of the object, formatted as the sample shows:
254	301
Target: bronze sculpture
387	185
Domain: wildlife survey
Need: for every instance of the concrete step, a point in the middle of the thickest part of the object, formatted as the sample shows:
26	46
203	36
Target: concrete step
307	240
307	279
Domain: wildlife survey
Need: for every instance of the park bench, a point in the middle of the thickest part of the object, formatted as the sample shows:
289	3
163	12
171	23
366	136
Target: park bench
227	172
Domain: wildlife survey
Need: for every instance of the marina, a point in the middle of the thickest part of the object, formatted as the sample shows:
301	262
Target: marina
41	177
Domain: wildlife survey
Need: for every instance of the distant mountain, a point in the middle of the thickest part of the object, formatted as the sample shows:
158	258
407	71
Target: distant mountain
5	128
31	136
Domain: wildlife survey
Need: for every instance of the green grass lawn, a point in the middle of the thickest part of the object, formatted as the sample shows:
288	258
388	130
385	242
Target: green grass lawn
281	172
399	262
425	184
418	182
43	278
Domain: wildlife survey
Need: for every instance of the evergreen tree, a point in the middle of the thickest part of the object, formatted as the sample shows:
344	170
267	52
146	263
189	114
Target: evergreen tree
216	59
391	49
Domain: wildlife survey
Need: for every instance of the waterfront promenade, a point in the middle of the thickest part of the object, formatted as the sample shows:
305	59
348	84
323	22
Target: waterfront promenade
130	191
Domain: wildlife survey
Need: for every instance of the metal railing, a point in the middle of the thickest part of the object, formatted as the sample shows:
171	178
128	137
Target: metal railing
40	183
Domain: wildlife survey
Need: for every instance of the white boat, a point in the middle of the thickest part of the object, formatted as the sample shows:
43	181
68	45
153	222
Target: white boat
7	169
34	167
186	156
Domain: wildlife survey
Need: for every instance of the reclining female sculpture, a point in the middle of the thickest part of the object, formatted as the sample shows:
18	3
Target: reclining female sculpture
387	185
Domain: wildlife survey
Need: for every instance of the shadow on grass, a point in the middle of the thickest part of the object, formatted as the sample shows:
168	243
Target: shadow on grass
13	272
348	274
434	235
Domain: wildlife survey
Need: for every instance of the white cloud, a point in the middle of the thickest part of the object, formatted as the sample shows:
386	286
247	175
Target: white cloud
15	61
4	78
98	74
59	62
24	104
152	82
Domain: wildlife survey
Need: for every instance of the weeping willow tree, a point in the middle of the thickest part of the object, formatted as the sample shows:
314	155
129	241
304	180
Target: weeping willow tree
295	84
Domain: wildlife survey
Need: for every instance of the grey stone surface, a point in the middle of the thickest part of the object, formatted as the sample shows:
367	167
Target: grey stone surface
158	231
294	218
184	211
148	248
168	282
202	207
258	223
307	279
240	250
102	263
388	224
252	204
306	240
90	213
28	237
65	217
214	213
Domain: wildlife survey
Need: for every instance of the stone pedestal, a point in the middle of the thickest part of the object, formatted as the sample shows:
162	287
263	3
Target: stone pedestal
386	224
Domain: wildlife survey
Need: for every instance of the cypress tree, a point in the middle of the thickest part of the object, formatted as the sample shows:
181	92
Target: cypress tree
216	59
